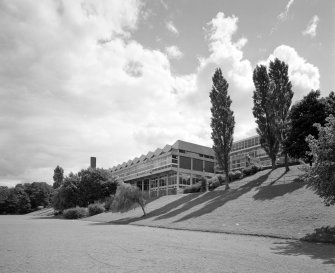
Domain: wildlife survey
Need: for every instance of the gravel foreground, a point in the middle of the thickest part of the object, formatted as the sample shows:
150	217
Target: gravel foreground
42	244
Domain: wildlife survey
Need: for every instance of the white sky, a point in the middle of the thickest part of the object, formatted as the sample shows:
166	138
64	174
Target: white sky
115	79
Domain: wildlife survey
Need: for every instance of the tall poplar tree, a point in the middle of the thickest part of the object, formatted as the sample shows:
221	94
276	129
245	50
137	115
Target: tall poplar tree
222	122
283	94
263	111
58	177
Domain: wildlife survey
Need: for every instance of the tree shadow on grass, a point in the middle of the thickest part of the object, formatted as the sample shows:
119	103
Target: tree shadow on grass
122	221
320	251
213	199
216	199
274	181
272	191
165	209
54	217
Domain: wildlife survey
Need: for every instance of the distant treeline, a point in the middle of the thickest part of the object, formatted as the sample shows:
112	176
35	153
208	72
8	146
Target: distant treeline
24	198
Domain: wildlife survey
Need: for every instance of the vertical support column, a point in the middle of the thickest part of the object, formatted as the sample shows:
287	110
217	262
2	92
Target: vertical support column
158	186
142	185
149	187
167	184
191	175
178	174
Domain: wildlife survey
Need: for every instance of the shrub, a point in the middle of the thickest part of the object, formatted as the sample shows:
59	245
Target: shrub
213	184
193	188
203	183
74	213
250	170
235	175
323	234
127	197
94	209
108	202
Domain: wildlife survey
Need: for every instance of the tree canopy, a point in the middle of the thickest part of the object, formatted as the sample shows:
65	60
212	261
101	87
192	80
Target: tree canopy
304	113
321	176
84	188
58	177
283	94
263	111
127	197
222	122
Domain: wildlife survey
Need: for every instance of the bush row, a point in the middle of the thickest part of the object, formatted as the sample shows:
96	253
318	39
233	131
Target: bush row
218	180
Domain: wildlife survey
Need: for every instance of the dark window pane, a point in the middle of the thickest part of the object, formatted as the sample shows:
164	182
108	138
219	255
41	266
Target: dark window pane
185	163
209	167
197	165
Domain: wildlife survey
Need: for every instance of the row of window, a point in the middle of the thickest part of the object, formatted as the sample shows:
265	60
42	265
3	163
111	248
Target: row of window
200	155
168	180
246	143
196	164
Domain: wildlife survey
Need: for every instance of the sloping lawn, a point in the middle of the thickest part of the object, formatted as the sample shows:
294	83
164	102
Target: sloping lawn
272	203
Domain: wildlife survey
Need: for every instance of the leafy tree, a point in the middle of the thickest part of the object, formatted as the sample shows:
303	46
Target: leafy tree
283	94
263	111
330	104
67	195
311	109
4	194
18	200
127	197
321	176
58	177
23	201
222	121
40	193
95	184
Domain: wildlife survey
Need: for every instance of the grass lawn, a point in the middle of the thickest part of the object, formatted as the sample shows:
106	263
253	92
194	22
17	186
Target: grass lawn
272	203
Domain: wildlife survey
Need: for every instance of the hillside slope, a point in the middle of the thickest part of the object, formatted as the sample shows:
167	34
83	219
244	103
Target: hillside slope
271	203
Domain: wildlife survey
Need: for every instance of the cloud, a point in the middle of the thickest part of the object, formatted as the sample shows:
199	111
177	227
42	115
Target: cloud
171	27
283	16
174	52
303	75
311	27
226	53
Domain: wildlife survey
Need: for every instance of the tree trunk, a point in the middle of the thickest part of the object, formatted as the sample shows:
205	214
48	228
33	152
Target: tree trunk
227	180
144	214
286	163
273	162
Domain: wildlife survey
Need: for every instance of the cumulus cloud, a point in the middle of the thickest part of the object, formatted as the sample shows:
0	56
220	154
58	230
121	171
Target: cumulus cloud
174	52
172	28
303	75
311	27
283	16
227	54
74	85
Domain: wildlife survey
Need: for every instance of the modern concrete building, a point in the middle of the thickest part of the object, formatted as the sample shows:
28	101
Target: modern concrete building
167	170
247	151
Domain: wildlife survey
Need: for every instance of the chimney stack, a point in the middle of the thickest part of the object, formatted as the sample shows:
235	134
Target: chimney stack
93	162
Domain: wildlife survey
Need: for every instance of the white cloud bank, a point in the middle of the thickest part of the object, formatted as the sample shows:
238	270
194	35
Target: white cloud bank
73	84
303	75
311	27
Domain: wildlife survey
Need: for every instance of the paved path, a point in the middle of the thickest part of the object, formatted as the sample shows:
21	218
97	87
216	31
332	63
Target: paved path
49	245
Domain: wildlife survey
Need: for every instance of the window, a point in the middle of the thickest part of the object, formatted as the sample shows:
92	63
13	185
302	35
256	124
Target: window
197	165
209	167
182	151
185	162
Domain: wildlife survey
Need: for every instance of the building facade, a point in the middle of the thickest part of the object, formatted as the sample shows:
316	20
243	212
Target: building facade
249	151
168	170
